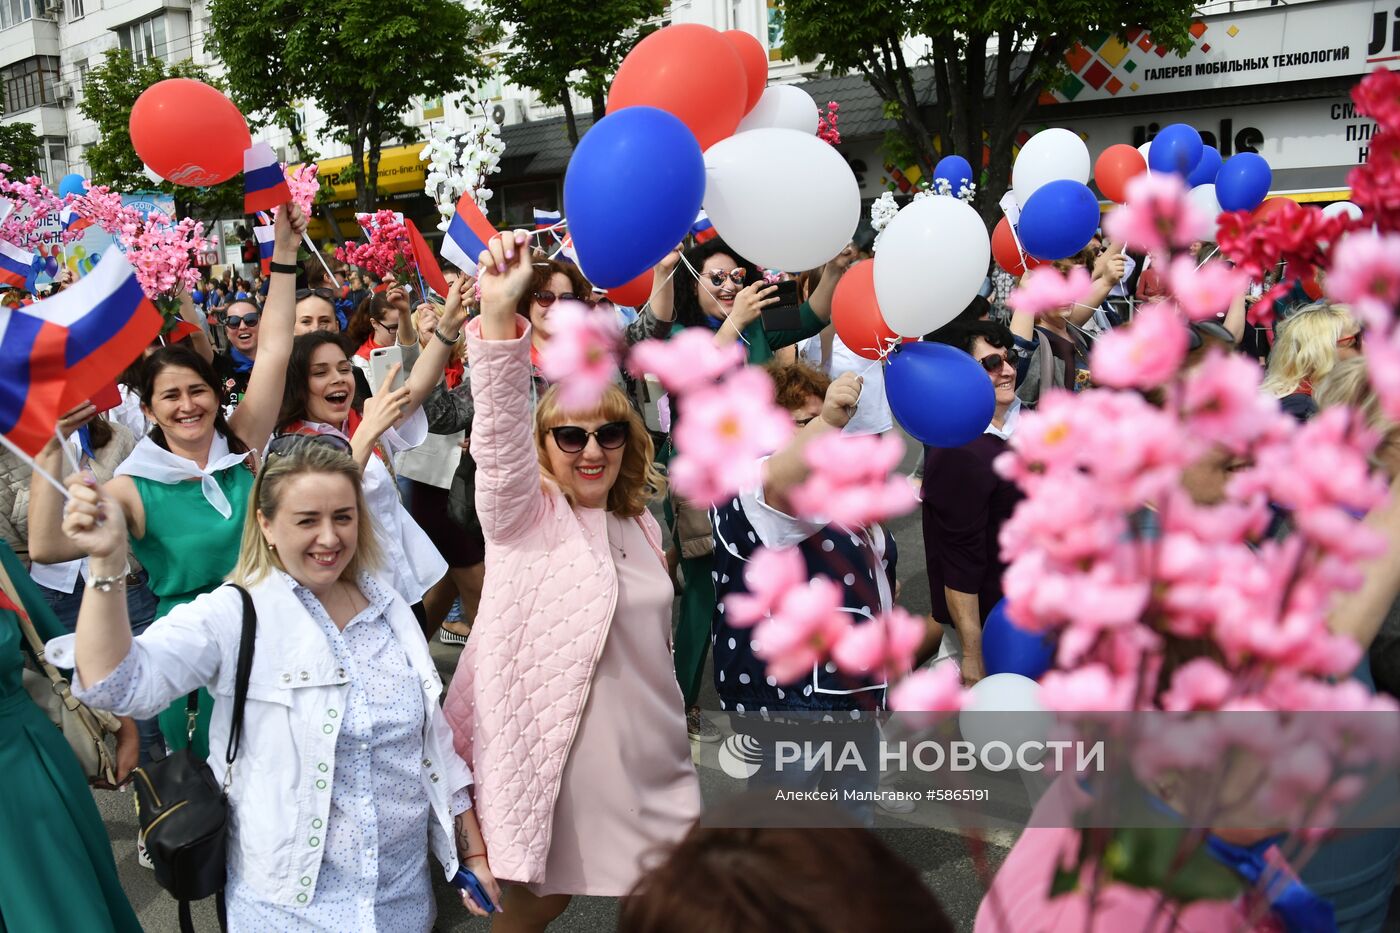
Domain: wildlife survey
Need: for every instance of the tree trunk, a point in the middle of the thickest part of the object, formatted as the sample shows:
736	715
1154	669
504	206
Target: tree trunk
376	140
569	120
357	165
600	105
328	210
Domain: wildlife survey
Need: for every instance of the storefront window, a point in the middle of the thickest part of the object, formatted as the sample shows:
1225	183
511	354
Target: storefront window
514	205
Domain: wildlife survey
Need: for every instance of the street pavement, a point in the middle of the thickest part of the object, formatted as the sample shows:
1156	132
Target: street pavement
941	855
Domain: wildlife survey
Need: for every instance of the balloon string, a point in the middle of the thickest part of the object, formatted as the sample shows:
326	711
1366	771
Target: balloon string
705	291
647	304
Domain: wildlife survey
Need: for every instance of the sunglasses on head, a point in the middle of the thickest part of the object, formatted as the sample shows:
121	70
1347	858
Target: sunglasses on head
546	298
235	321
993	363
322	293
736	276
571	438
285	444
1352	340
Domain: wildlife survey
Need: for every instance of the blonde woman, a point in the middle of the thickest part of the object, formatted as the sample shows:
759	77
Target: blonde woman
1306	347
346	766
565	702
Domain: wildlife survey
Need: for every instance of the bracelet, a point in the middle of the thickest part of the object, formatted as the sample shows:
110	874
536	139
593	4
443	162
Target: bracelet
468	858
286	268
107	584
450	341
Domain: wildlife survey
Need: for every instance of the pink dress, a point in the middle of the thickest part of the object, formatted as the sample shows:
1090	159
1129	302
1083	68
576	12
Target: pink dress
629	787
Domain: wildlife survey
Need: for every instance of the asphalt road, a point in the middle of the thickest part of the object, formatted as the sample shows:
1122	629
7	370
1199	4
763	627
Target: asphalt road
941	856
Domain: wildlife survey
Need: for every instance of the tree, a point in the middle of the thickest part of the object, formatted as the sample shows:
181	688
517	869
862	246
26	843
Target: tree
19	149
550	43
109	92
980	98
363	62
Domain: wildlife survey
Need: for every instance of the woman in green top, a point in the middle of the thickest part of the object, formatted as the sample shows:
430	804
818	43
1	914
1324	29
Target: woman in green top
728	297
56	868
185	487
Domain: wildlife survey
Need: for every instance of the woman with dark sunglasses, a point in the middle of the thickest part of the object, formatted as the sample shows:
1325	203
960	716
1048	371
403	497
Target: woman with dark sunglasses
577	608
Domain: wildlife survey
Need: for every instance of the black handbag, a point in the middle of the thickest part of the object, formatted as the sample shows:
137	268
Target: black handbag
182	810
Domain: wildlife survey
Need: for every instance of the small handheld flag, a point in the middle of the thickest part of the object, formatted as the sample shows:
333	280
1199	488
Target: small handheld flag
264	185
467	235
267	238
109	321
566	251
703	229
16	266
546	219
72	220
31	379
428	268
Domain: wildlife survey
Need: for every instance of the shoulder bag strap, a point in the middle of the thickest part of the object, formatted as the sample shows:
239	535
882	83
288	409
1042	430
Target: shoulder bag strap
244	671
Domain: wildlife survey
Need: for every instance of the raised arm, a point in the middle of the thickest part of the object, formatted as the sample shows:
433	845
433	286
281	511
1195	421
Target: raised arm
820	299
434	357
199	340
508	495
1358	614
663	287
256	416
788	469
1108	271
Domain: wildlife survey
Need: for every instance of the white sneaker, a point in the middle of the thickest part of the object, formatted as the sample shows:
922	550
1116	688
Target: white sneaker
895	805
142	857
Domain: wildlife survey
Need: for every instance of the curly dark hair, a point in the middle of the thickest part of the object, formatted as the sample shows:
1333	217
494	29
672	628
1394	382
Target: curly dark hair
689	312
794	383
179	355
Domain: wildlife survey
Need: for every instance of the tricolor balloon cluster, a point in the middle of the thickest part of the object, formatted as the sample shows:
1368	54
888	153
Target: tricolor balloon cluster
691	123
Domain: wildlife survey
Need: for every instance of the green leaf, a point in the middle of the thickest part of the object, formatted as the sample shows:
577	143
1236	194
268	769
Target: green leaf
1148	858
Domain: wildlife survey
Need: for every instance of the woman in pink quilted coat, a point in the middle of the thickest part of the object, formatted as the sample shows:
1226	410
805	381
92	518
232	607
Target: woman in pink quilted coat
565	702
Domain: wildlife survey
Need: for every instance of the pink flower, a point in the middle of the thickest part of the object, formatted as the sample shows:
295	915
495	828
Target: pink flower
768	577
1157	216
1365	272
936	690
880	645
801	633
722	433
688	361
1045	289
387	250
580	355
1197	684
1090	689
1143	355
854	480
1205	291
1223	405
1383	366
304	185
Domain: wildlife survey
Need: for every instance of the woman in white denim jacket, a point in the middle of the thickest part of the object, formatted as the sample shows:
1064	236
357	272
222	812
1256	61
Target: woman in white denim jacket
346	774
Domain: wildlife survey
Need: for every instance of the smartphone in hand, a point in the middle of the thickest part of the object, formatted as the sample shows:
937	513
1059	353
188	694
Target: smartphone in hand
465	880
786	314
381	360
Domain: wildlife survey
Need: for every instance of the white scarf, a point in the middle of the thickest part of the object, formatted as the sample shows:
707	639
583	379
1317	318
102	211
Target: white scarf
153	462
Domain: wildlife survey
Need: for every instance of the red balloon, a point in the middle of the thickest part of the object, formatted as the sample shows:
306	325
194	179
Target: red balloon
755	59
635	293
856	314
189	133
1116	166
1312	287
1006	253
1272	206
692	72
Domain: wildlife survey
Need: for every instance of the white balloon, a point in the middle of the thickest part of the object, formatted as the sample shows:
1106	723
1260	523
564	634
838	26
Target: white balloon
1047	156
1342	208
782	105
984	717
932	260
1143	149
1203	196
783	199
151	174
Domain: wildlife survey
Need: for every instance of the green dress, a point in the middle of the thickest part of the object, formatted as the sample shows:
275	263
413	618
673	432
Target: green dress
56	868
188	550
697	607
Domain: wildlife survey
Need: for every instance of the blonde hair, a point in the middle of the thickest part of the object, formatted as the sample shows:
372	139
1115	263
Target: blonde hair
1305	349
1348	384
638	480
256	559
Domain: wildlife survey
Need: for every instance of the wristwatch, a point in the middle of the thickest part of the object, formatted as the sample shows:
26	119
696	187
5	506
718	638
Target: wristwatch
107	584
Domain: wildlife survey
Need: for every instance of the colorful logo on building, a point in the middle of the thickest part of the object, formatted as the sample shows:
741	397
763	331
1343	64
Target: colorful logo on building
1115	60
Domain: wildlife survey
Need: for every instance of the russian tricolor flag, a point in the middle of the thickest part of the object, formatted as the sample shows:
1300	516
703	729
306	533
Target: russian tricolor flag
267	239
72	220
109	321
703	229
16	266
264	184
546	219
467	235
31	378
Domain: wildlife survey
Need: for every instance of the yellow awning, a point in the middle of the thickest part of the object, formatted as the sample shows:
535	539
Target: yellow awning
400	170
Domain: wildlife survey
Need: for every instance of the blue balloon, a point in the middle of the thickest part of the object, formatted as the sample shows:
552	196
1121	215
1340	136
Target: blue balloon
941	395
1007	649
72	183
1205	171
955	170
1059	219
631	193
1243	181
1175	149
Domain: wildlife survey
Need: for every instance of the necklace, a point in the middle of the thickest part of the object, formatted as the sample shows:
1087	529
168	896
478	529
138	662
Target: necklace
607	528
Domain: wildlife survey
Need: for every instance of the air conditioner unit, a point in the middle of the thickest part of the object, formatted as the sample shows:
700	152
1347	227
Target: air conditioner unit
508	111
64	92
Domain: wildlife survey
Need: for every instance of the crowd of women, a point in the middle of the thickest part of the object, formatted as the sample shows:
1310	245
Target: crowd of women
361	509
